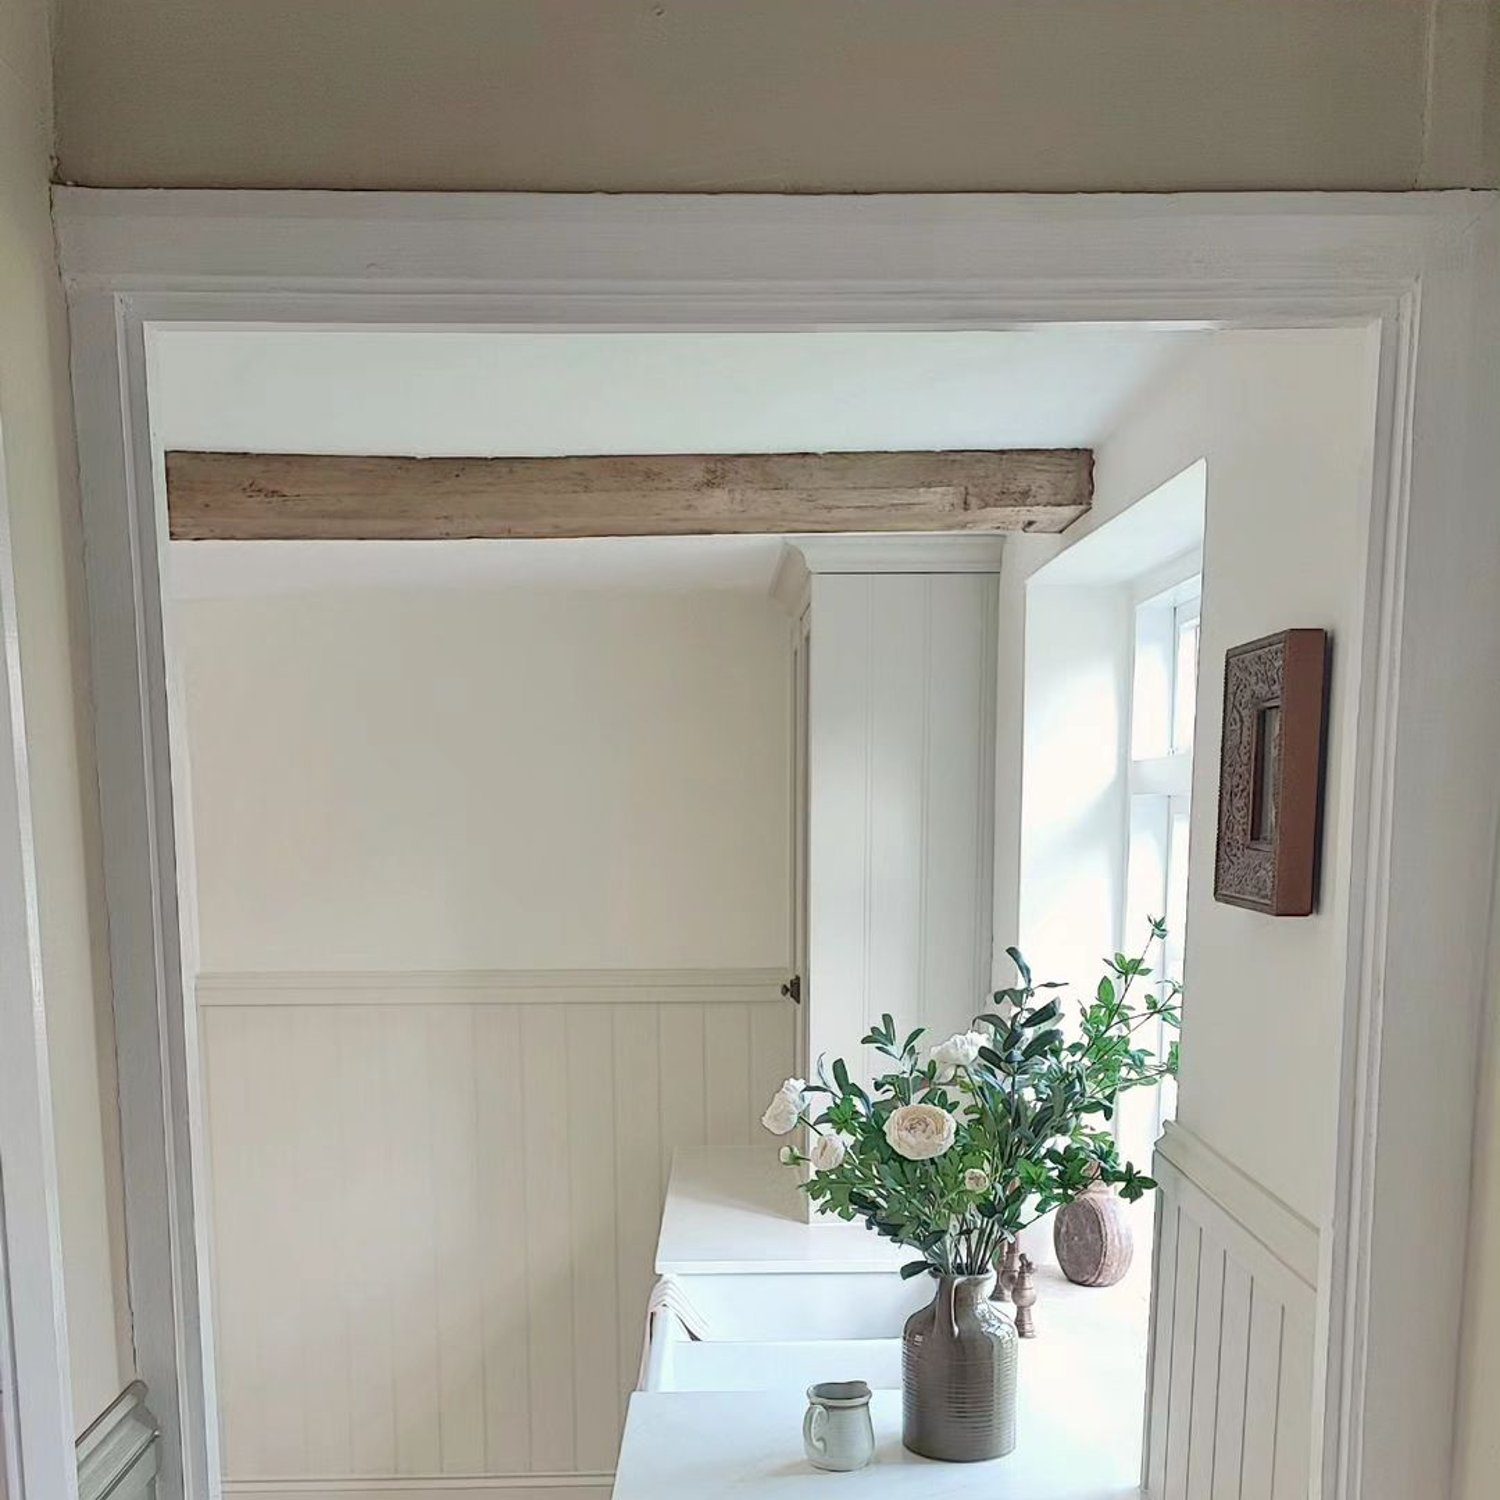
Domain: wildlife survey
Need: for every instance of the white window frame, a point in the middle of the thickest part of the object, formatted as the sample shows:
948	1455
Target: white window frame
1159	781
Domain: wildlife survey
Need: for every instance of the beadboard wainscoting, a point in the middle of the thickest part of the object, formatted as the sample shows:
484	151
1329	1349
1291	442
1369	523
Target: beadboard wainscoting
435	1200
1230	1397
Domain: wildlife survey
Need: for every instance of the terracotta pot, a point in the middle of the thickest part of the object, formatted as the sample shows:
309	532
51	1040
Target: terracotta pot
1093	1238
958	1368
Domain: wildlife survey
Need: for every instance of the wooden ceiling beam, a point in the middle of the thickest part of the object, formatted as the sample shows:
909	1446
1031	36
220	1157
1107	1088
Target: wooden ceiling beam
328	497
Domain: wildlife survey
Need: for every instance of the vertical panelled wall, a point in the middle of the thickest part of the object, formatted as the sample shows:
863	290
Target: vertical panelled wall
1229	1399
436	1206
493	895
901	774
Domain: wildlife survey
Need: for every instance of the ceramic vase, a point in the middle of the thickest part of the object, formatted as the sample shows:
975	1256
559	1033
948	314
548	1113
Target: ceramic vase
958	1372
1092	1237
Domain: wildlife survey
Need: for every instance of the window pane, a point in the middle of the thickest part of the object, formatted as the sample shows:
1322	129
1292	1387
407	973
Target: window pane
1185	682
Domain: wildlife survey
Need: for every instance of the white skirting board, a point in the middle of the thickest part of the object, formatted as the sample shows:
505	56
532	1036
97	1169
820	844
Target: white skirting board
435	1202
1229	1403
428	1487
117	1455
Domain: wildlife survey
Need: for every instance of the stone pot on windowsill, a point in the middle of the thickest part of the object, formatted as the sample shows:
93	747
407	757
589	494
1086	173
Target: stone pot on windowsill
1093	1237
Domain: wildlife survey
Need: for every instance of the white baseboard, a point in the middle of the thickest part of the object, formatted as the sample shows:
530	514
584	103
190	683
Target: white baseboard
593	1486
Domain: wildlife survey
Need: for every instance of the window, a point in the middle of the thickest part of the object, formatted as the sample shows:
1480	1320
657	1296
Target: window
1185	671
1162	710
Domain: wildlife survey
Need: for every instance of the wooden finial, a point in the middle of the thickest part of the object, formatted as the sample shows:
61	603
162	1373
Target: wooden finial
1023	1294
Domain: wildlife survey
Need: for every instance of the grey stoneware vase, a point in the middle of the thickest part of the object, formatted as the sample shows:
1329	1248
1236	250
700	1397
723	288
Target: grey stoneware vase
958	1369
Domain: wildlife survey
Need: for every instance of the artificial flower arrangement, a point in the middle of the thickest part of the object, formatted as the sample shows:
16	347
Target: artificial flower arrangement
956	1154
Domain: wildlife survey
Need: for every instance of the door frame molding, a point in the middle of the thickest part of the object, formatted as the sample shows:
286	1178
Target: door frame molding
1420	266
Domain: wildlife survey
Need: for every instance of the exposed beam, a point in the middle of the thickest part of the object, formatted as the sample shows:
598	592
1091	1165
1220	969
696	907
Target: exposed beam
308	497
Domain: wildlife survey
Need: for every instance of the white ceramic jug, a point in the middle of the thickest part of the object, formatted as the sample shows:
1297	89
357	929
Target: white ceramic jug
837	1432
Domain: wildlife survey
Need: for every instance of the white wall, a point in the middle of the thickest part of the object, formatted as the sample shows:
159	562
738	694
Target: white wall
36	424
494	893
1284	421
1075	810
841	96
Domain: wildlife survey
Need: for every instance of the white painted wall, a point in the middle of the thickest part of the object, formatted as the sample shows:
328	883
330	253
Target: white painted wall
36	424
1076	804
1284	422
494	892
521	780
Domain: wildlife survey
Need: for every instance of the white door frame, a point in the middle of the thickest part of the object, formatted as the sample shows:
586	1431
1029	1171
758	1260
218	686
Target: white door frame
36	1400
1422	266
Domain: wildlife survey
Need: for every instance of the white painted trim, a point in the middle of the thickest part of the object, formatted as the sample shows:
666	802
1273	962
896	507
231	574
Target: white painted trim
899	554
1423	821
36	1400
418	1486
1278	1228
1171	577
883	260
493	987
1162	775
117	1455
155	1032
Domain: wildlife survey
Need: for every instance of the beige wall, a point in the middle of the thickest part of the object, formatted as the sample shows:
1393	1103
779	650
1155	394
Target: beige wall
435	1193
1479	1371
36	427
523	779
778	95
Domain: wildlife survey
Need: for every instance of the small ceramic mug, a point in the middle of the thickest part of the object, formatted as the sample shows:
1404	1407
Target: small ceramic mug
837	1432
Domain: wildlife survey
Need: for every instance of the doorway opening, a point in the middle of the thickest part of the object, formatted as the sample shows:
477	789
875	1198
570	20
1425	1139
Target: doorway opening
613	830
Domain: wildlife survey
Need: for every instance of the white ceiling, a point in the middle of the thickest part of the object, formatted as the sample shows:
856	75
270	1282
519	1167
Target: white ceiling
487	393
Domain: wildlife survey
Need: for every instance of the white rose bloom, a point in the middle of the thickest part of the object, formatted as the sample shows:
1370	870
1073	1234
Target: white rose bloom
920	1131
976	1180
827	1153
959	1051
781	1113
786	1156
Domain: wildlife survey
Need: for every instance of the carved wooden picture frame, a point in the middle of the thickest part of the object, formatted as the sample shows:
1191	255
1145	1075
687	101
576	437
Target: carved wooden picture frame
1271	773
